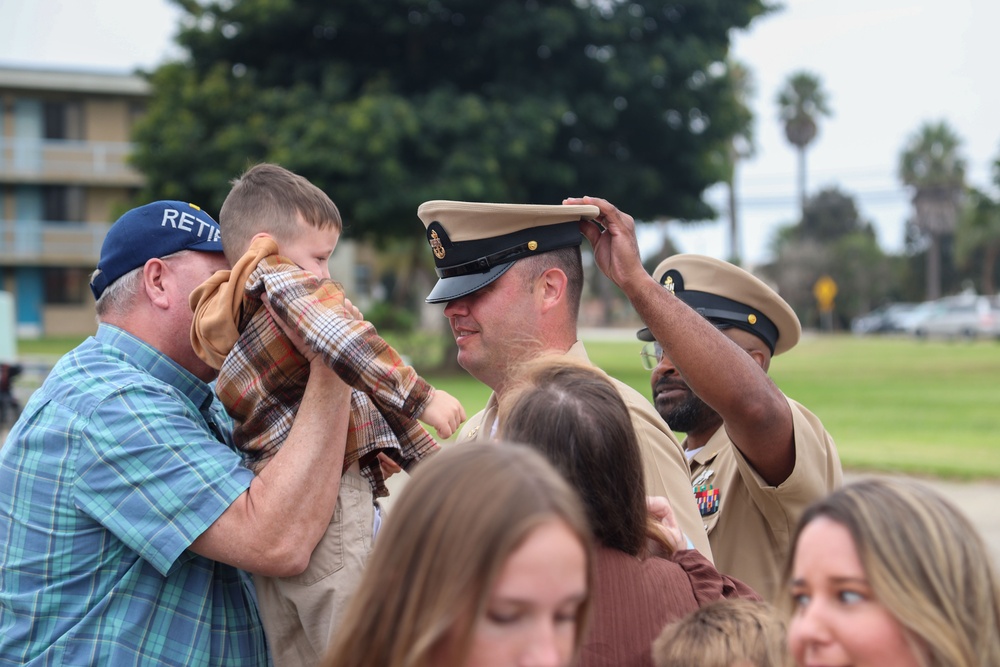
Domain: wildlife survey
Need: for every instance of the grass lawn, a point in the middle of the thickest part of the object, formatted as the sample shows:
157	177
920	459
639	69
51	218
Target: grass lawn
901	404
891	404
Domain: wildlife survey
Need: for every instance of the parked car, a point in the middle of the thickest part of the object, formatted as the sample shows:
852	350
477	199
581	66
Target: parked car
963	316
888	318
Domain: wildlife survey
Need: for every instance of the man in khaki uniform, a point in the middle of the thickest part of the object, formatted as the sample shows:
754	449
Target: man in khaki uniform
512	277
757	457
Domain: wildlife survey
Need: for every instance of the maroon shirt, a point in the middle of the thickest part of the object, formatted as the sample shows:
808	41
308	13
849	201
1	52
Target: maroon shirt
633	599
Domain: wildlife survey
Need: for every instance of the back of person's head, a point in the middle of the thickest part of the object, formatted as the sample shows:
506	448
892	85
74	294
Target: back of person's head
572	413
440	551
726	633
270	199
925	563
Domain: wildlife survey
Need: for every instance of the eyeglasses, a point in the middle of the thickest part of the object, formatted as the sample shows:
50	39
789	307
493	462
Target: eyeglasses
651	355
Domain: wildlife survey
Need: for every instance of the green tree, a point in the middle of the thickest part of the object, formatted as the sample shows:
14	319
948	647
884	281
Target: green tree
801	103
832	239
831	214
977	237
932	167
863	275
386	104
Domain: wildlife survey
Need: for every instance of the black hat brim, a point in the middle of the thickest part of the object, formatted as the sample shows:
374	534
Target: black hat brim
449	289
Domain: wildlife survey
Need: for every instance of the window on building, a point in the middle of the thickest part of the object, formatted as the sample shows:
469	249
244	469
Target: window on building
54	120
62	203
62	120
66	285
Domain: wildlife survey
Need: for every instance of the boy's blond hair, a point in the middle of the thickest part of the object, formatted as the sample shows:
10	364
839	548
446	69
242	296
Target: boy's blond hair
269	198
726	633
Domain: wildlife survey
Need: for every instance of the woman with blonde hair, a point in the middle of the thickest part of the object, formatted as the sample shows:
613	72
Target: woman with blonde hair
485	560
889	572
572	413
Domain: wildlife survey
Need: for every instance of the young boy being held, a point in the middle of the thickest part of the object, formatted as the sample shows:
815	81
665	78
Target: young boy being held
271	210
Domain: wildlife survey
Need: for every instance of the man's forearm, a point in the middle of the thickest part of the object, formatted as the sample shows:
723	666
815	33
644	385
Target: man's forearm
715	368
274	526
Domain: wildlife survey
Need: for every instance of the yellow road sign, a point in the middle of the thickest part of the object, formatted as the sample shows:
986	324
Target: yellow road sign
825	289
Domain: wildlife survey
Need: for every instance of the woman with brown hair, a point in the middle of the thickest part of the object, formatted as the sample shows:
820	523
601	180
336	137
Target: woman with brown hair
484	561
573	415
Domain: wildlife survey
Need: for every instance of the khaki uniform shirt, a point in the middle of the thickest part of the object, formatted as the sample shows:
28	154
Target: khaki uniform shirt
663	459
750	523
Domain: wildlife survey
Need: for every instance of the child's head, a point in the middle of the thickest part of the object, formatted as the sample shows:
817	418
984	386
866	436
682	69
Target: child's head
726	633
271	200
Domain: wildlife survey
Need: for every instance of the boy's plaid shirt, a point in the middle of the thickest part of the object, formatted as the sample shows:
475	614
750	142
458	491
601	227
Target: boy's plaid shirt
262	376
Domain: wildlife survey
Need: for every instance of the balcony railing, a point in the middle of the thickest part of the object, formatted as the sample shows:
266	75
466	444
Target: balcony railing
25	242
63	161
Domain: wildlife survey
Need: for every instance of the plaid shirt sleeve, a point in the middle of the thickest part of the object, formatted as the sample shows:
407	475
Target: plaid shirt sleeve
150	472
351	347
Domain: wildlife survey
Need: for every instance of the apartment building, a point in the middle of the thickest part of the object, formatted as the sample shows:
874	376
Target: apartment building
64	177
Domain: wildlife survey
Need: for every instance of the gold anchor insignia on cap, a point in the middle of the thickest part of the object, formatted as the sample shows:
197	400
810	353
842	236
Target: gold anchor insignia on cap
751	318
436	245
532	245
669	284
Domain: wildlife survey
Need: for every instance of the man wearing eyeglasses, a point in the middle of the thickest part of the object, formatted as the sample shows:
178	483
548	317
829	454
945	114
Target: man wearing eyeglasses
757	457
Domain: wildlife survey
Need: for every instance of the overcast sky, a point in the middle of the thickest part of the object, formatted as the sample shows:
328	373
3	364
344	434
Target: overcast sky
887	65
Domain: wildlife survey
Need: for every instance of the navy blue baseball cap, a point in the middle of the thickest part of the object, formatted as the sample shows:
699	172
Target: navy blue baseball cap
154	230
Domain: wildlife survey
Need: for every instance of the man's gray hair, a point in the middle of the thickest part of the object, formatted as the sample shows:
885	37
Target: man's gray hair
117	297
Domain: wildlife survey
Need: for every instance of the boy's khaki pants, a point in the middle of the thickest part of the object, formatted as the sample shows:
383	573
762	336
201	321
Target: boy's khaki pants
301	613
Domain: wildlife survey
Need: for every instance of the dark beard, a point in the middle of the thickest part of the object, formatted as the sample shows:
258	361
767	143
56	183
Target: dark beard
691	414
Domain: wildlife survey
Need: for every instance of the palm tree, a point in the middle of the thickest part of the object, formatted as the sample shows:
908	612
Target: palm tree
801	102
932	167
741	147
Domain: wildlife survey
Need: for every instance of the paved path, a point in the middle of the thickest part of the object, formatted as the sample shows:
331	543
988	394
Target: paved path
979	500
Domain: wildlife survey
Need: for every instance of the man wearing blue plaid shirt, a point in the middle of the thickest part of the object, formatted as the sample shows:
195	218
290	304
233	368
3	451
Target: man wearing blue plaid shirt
126	517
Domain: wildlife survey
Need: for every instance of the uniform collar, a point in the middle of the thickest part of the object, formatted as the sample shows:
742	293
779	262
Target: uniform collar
711	449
